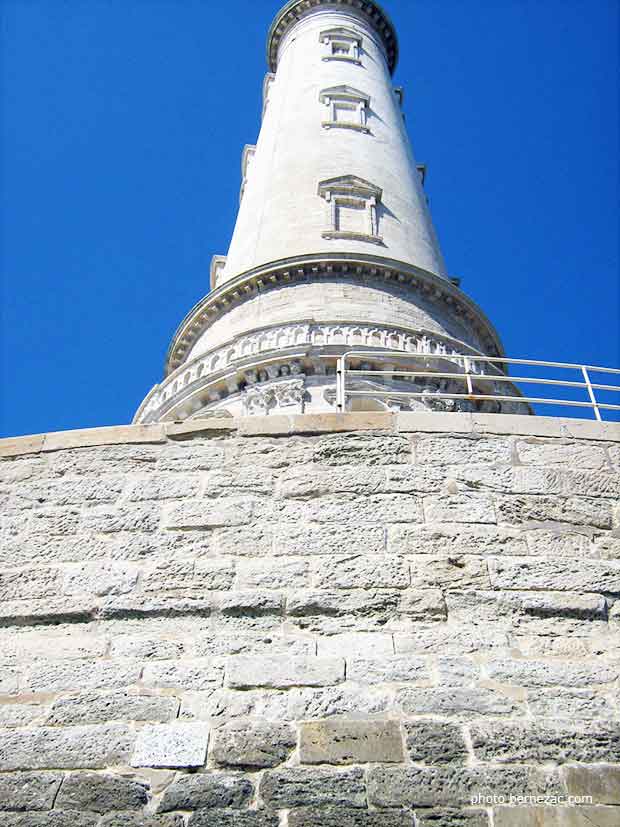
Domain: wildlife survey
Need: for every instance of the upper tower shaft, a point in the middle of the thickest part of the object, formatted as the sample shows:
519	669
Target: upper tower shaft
333	169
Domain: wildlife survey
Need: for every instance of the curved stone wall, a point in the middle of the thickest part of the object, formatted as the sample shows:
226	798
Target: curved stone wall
331	621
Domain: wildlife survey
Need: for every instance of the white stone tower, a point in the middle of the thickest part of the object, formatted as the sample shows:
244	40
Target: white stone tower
333	249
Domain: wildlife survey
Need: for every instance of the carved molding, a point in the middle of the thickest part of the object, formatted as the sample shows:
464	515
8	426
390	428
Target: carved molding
368	9
414	280
261	399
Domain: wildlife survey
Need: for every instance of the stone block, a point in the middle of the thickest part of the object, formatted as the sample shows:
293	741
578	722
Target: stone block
89	747
95	708
607	547
186	675
54	818
100	579
340	741
215	643
28	790
206	791
252	744
193	455
591	483
272	573
19	445
250	603
233	818
563	454
162	486
117	435
361	572
515	742
581	511
362	449
222	511
552	673
450	639
555	575
579	704
450	572
28	584
68	491
350	700
434	421
283	671
101	793
558	544
210	426
352	508
600	781
455	540
147	648
21	715
239	479
9	679
454	701
306	481
94	461
414	479
455	671
423	604
47	610
131	517
451	817
239	541
337	817
388	669
299	787
459	508
555	816
60	676
447	449
295	539
356	645
171	745
129	819
50	521
435	742
453	785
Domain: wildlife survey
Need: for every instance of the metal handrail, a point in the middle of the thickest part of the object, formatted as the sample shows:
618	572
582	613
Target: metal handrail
467	376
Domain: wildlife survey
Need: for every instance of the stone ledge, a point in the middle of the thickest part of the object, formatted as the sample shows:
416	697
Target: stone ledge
424	422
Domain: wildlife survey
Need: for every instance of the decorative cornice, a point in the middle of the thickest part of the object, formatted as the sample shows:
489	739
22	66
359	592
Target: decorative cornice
280	350
295	9
320	266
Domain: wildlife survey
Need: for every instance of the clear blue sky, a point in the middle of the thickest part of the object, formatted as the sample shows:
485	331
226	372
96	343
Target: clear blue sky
122	128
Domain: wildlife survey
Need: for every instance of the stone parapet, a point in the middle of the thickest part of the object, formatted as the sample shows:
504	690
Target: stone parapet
335	620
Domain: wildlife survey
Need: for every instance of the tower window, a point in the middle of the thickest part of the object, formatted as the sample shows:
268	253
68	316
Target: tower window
346	107
352	209
341	44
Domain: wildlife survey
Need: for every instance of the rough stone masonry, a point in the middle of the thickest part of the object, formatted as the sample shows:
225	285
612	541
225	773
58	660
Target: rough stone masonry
371	620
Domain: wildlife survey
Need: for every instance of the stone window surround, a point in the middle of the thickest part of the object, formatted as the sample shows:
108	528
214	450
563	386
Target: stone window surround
348	190
341	37
358	101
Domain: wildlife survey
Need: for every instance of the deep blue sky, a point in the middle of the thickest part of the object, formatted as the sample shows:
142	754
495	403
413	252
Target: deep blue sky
122	128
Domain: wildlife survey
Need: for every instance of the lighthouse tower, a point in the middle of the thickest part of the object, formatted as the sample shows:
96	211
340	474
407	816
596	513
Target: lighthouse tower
333	250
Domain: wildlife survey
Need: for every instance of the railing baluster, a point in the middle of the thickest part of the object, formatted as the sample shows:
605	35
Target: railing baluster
591	393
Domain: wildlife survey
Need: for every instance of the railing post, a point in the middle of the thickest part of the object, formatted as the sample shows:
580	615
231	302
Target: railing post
340	377
470	387
591	393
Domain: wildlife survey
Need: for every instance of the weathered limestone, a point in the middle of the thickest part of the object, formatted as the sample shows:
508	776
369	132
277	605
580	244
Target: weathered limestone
361	674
